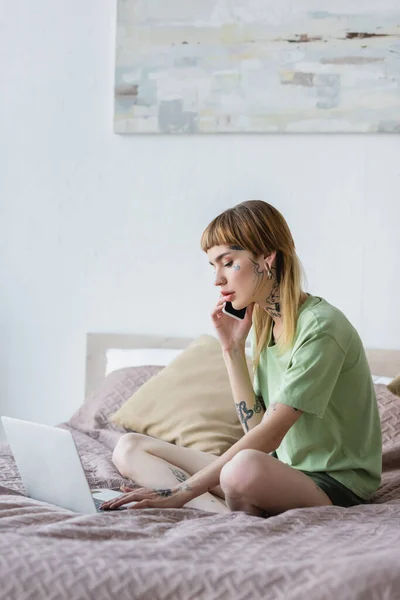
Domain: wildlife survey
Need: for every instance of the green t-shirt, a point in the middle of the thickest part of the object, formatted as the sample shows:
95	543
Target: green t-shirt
326	375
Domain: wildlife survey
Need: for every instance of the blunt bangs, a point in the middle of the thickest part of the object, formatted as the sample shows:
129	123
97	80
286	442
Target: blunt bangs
222	231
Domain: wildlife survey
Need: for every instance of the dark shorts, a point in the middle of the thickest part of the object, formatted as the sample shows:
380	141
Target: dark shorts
338	494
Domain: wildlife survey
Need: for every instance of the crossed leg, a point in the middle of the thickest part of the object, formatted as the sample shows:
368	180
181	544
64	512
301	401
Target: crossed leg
259	484
252	481
154	463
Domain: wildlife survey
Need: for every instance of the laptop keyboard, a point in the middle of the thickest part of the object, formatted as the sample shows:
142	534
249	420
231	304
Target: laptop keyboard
98	503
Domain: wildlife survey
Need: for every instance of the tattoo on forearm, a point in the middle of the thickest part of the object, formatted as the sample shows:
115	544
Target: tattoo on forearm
244	413
185	487
180	475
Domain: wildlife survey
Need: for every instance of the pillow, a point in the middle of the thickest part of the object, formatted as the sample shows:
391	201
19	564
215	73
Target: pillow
118	358
381	379
111	394
389	411
394	386
189	403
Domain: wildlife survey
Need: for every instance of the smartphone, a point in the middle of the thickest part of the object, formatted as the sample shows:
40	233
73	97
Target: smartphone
232	312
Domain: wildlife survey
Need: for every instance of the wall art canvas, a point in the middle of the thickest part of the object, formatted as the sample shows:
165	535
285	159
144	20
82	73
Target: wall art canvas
242	66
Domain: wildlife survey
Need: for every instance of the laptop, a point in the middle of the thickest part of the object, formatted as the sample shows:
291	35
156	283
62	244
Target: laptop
50	468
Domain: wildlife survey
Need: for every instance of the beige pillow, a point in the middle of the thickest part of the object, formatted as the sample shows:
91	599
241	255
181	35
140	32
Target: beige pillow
394	386
189	403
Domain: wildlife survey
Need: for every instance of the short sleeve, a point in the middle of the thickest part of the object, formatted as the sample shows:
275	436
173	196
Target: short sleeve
312	374
256	385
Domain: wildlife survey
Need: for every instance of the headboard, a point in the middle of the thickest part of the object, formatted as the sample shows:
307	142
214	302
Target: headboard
97	345
382	362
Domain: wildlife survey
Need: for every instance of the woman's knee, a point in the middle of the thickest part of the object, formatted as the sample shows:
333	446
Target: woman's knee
239	473
126	445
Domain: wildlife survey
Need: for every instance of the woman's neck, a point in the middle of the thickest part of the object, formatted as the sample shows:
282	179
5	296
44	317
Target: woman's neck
273	307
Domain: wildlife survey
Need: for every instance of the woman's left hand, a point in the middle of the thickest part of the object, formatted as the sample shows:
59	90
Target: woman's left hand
148	498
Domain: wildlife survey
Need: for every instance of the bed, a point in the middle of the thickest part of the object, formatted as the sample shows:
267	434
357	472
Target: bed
315	553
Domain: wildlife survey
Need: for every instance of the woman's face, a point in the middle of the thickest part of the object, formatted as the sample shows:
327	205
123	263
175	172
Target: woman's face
241	277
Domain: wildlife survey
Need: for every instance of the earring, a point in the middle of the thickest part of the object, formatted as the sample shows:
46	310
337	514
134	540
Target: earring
269	274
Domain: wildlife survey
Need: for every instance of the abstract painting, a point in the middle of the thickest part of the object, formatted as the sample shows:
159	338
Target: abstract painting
243	66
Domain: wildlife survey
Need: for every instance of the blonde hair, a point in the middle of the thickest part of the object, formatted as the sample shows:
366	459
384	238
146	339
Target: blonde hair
259	228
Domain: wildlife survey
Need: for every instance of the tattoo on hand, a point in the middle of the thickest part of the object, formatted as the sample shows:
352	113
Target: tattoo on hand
244	413
164	493
180	475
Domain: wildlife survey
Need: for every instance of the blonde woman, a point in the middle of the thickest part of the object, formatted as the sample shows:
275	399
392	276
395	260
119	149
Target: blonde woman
311	423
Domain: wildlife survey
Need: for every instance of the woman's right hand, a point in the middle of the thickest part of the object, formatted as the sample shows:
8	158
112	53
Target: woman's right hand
231	332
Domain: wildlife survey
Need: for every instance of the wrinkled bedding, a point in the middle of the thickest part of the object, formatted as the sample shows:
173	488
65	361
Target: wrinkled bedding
316	553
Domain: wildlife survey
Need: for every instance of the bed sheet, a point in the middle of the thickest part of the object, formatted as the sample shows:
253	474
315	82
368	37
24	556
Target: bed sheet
150	554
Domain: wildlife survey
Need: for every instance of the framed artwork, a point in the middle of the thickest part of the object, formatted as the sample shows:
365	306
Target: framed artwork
257	66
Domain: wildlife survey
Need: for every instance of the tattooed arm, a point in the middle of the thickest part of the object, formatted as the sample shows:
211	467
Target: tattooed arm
266	437
249	407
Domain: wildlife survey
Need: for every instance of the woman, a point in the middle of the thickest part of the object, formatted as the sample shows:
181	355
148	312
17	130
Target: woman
312	428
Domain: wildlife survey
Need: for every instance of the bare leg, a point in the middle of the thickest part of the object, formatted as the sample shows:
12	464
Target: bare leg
133	459
241	504
259	484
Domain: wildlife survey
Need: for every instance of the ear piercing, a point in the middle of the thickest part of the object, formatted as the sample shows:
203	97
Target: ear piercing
269	274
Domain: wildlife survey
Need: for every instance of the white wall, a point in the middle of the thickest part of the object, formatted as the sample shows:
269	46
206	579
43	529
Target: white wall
101	233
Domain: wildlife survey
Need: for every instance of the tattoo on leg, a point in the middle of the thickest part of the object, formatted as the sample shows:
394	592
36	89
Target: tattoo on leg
244	413
180	475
